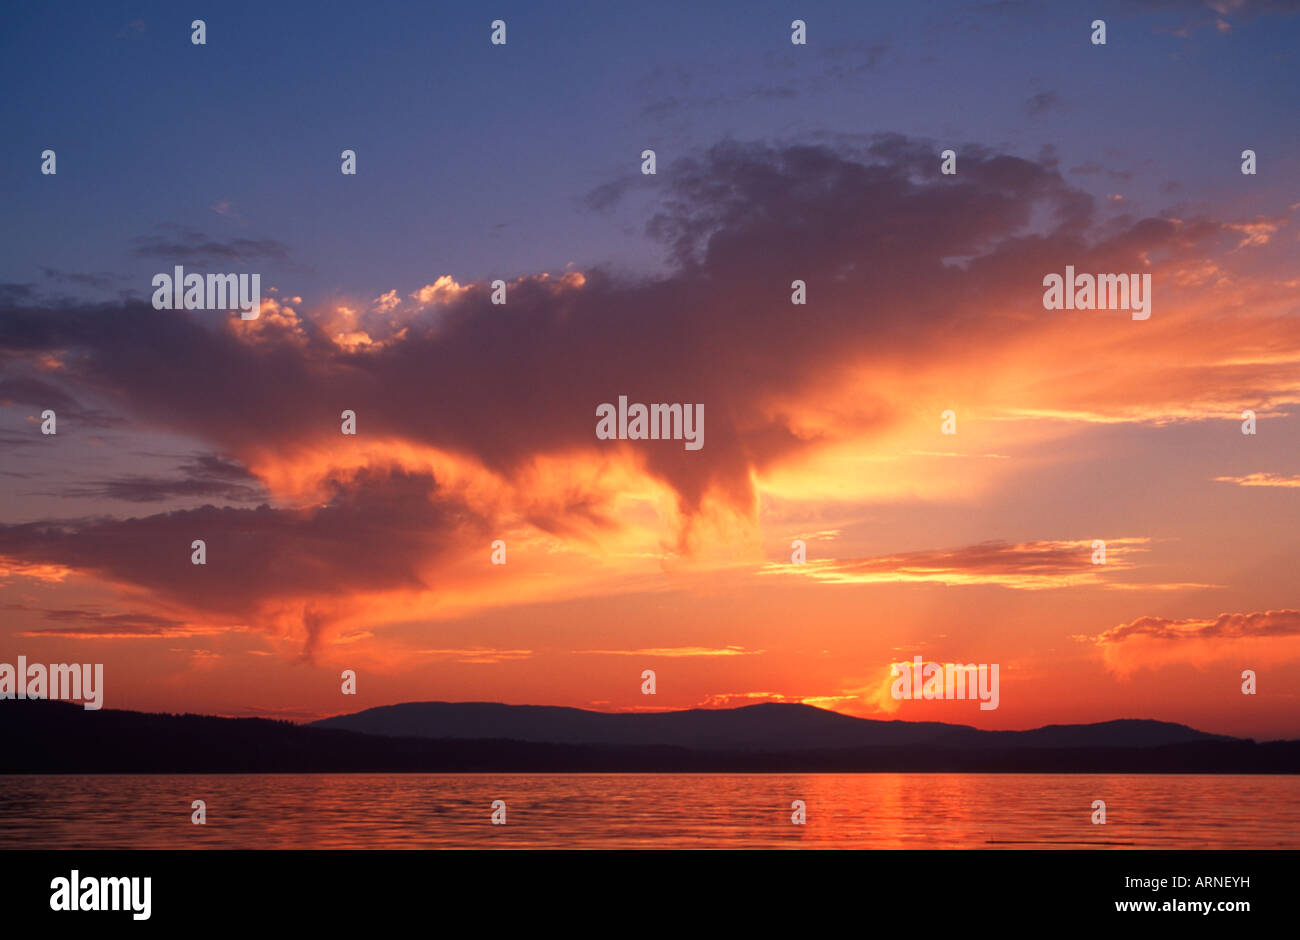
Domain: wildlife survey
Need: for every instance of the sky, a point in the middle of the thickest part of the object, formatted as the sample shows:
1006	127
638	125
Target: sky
476	421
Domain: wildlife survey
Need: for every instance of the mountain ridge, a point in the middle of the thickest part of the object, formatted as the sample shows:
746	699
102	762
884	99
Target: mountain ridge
762	726
42	737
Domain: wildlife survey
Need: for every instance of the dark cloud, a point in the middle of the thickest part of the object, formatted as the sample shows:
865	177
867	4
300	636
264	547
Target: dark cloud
184	246
869	224
205	477
95	624
868	227
376	533
26	389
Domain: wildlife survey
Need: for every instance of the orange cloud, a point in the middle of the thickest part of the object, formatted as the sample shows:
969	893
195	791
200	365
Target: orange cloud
478	655
679	652
1151	642
1262	479
1026	566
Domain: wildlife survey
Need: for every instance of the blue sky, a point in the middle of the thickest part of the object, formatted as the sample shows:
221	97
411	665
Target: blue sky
476	160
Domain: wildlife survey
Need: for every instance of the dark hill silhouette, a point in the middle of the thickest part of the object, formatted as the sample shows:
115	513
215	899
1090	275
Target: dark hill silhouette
766	727
58	737
1121	732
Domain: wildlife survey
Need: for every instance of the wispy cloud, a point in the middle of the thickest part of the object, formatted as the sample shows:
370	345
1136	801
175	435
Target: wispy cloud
1262	479
189	246
1032	566
83	624
677	652
476	654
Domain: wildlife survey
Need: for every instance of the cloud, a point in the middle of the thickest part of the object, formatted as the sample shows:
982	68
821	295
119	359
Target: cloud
387	301
294	570
870	232
1262	479
678	652
85	624
207	476
21	389
1266	623
475	417
186	246
444	290
1258	231
477	655
1030	566
1270	636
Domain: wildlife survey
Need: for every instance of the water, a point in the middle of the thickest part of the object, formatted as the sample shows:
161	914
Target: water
665	811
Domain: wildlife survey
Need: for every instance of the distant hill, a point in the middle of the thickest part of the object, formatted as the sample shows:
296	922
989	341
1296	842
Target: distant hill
766	727
57	737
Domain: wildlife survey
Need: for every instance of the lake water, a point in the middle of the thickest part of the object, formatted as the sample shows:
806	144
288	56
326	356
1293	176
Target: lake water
666	811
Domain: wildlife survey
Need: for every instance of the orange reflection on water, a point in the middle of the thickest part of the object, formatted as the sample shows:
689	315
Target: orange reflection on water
664	811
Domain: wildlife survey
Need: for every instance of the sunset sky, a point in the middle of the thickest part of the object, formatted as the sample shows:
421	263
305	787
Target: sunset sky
476	421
